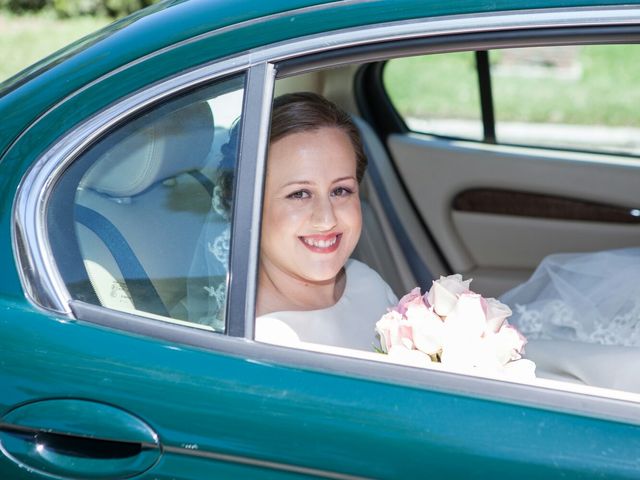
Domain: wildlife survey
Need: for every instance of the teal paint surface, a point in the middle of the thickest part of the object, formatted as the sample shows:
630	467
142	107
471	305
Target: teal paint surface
200	401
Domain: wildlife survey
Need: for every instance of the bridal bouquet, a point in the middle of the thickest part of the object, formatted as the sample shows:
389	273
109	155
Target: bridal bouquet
456	327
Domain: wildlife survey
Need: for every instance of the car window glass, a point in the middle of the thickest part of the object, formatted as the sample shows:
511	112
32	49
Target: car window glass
581	97
140	222
436	94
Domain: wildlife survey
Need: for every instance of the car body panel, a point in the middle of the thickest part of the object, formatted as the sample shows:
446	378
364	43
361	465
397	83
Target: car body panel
230	407
204	403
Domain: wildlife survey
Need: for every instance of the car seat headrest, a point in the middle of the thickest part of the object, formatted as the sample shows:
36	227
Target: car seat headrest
176	143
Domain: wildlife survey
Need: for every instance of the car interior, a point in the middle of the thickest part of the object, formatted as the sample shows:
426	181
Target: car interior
140	188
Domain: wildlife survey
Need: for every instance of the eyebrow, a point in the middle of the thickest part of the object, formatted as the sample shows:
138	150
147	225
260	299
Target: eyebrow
307	182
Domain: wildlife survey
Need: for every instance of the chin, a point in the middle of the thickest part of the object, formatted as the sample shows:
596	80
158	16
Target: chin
324	274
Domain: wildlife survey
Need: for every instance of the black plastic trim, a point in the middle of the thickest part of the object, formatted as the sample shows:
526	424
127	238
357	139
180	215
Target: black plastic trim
486	96
380	114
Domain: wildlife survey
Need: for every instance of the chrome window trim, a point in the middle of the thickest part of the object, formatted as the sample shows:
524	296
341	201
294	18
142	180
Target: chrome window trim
38	274
451	25
30	210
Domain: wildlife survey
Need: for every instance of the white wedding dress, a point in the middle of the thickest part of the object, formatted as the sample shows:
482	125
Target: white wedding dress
350	323
580	313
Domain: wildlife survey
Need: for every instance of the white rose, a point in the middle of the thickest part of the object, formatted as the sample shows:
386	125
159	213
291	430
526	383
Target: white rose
427	328
406	356
497	313
387	328
520	370
507	344
467	318
445	291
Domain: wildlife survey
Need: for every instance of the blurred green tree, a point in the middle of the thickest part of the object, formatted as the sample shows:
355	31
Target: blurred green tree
74	8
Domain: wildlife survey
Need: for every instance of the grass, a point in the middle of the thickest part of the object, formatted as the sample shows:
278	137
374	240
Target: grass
603	91
25	39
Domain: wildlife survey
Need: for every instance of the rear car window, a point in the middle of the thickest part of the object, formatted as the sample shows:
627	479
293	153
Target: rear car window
571	97
140	222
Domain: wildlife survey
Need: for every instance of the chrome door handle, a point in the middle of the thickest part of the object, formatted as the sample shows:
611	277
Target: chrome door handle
78	438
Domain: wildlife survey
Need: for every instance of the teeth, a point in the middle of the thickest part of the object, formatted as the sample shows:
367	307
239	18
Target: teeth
321	243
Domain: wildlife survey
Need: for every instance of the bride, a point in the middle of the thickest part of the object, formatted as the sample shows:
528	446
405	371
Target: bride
309	289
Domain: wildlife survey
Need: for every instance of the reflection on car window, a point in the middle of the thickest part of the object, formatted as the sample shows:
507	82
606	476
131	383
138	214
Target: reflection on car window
436	94
133	222
579	97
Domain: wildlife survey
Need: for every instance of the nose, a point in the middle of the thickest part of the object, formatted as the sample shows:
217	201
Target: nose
323	216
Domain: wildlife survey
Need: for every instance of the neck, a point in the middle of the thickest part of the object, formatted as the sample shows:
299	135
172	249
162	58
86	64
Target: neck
278	291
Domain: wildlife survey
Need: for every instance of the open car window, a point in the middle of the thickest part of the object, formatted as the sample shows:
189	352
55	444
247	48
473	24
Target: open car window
439	206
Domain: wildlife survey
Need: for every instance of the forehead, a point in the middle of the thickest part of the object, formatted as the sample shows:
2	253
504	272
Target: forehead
322	150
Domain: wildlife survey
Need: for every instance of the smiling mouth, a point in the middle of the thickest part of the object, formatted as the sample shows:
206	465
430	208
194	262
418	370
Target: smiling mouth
322	243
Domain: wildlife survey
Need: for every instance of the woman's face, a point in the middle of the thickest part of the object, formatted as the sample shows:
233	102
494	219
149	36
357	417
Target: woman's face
311	216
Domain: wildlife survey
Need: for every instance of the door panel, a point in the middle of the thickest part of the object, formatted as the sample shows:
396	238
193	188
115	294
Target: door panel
249	416
535	238
499	251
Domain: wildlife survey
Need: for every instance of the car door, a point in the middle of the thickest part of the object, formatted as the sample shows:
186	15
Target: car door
122	383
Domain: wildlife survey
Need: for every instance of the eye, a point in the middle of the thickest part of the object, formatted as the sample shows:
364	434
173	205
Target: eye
299	195
341	192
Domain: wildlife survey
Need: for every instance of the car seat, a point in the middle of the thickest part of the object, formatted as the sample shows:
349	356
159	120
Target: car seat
393	241
140	209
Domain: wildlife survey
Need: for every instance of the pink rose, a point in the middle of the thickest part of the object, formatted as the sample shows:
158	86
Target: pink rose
394	330
445	291
414	297
388	329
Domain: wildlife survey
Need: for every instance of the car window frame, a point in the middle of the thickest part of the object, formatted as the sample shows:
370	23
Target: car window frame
289	58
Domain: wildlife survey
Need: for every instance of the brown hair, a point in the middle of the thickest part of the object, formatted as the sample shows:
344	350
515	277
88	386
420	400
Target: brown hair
307	111
292	113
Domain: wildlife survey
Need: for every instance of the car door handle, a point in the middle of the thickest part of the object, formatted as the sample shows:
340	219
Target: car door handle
78	438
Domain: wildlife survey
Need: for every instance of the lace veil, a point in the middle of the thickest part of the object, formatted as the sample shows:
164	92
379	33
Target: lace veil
585	297
208	282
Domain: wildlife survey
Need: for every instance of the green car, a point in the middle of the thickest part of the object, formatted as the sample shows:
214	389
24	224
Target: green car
498	133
